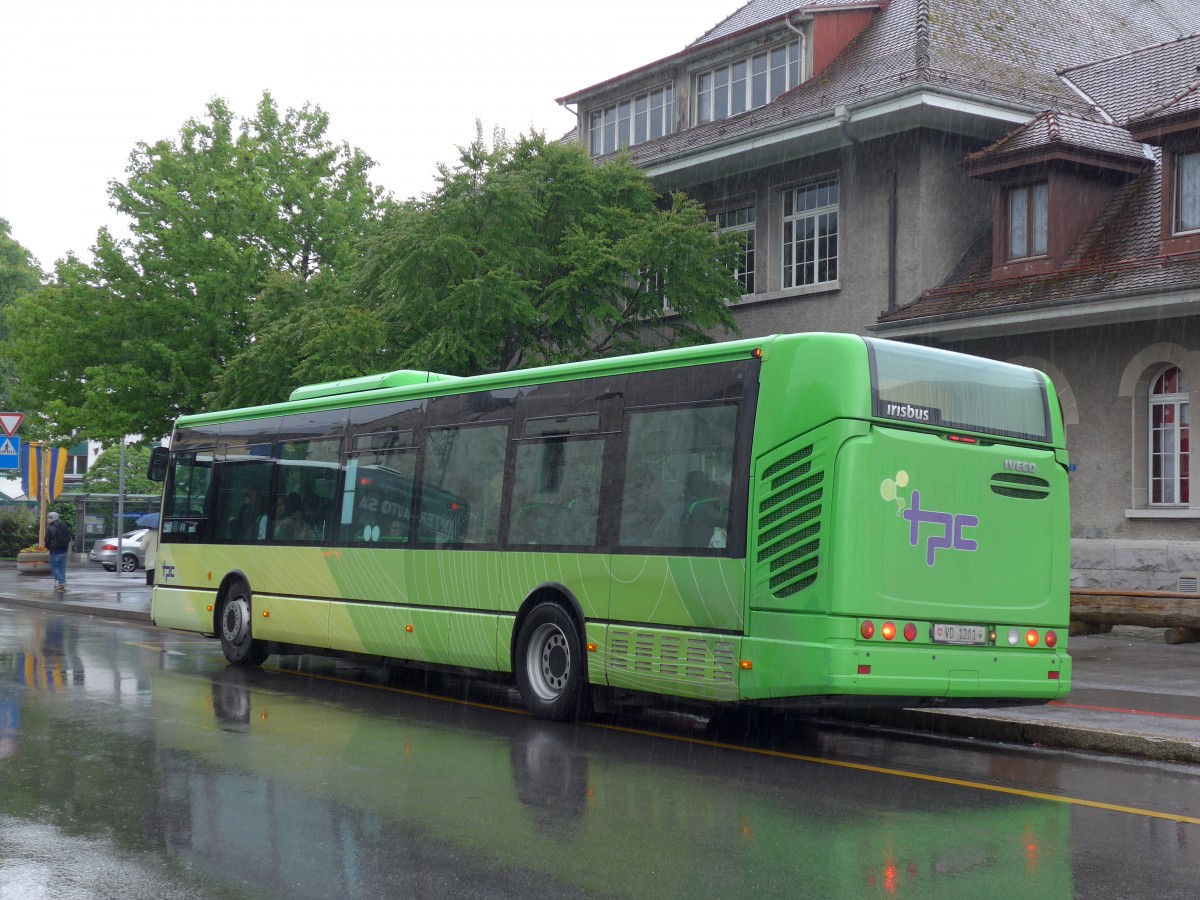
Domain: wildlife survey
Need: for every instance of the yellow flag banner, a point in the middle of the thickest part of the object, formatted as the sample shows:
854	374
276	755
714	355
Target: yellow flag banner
34	457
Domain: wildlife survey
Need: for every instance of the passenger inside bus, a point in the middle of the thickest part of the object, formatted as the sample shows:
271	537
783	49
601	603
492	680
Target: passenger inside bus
292	526
698	518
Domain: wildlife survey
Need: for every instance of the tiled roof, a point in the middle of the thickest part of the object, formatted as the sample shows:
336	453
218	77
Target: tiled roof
1117	255
1185	101
759	12
1167	273
1001	50
1051	129
1130	85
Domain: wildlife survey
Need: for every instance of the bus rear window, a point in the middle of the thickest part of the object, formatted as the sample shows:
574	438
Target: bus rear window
926	386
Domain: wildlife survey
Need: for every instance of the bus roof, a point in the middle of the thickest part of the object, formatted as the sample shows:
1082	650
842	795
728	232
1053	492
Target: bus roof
408	384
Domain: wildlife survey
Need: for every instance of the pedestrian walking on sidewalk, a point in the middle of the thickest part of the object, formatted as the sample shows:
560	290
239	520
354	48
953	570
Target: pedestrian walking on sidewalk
58	542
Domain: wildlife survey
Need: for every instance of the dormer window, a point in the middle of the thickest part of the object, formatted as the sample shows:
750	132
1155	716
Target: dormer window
632	120
1187	191
747	83
1028	221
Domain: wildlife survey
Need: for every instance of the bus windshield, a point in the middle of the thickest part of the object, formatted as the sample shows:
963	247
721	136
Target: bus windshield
951	390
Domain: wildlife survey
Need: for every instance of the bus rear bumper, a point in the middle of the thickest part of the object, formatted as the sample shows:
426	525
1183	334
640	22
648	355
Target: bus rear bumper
923	674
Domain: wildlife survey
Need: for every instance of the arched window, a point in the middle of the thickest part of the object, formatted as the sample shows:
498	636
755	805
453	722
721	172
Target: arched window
1169	439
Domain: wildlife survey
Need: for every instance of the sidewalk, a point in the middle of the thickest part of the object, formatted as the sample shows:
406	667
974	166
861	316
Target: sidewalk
90	591
1132	693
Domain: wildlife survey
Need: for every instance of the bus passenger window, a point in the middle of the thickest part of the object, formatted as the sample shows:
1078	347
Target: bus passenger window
556	490
679	468
307	473
377	497
458	504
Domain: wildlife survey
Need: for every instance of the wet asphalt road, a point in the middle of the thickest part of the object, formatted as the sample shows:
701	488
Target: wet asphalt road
135	763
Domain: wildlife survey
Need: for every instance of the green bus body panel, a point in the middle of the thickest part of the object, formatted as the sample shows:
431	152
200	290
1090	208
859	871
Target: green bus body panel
461	606
790	515
182	608
799	654
1006	556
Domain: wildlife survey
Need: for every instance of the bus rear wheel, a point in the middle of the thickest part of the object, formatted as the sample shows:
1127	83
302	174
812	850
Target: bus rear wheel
237	636
550	667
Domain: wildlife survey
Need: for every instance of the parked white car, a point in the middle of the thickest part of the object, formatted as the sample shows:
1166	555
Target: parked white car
133	550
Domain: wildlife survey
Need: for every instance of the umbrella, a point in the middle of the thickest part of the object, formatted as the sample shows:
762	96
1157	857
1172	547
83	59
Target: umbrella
149	520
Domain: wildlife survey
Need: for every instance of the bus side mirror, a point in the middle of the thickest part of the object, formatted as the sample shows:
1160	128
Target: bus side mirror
157	470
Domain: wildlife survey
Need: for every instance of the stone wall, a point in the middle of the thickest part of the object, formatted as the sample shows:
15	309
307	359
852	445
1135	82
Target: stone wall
1132	565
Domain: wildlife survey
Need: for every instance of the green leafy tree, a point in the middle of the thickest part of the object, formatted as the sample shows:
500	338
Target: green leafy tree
304	333
19	271
138	337
19	274
103	476
530	253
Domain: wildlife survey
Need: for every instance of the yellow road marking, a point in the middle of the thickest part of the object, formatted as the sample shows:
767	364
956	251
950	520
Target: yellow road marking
779	754
900	773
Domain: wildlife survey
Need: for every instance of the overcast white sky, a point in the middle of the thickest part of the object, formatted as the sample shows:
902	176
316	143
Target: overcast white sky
81	82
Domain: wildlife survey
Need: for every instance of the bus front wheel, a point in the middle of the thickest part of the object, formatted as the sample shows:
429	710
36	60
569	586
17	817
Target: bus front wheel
237	637
549	663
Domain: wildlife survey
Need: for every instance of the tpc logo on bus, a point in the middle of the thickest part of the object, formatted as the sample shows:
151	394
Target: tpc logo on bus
949	537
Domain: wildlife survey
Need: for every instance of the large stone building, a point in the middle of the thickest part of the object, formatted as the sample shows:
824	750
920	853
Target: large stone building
1018	179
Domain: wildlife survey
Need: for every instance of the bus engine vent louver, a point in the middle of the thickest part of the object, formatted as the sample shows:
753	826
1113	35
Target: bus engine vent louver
789	521
1020	487
679	659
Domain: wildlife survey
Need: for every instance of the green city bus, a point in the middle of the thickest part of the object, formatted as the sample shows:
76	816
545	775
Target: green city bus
793	521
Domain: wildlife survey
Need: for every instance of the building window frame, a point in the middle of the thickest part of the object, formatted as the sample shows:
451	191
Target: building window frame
810	214
1185	189
741	220
1027	220
645	116
749	82
1169	439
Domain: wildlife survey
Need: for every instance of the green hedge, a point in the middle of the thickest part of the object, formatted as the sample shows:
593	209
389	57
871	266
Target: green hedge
18	530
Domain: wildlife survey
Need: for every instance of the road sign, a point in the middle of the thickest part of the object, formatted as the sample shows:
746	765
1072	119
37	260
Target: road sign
10	422
10	453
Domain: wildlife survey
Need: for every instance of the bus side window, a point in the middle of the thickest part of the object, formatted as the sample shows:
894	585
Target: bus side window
678	475
556	491
242	492
189	478
377	497
307	473
459	505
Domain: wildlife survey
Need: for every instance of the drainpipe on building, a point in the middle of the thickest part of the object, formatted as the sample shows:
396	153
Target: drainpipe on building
841	115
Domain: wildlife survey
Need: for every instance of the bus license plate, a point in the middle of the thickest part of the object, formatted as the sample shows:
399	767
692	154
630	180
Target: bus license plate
959	634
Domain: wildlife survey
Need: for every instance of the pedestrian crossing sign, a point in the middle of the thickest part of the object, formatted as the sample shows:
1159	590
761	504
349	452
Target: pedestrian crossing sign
10	453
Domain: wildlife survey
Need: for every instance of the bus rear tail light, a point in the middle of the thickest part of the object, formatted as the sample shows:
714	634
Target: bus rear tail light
867	629
1051	639
888	630
1032	637
910	631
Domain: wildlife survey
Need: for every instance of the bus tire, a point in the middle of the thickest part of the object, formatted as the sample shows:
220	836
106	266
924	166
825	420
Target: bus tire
550	666
234	625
